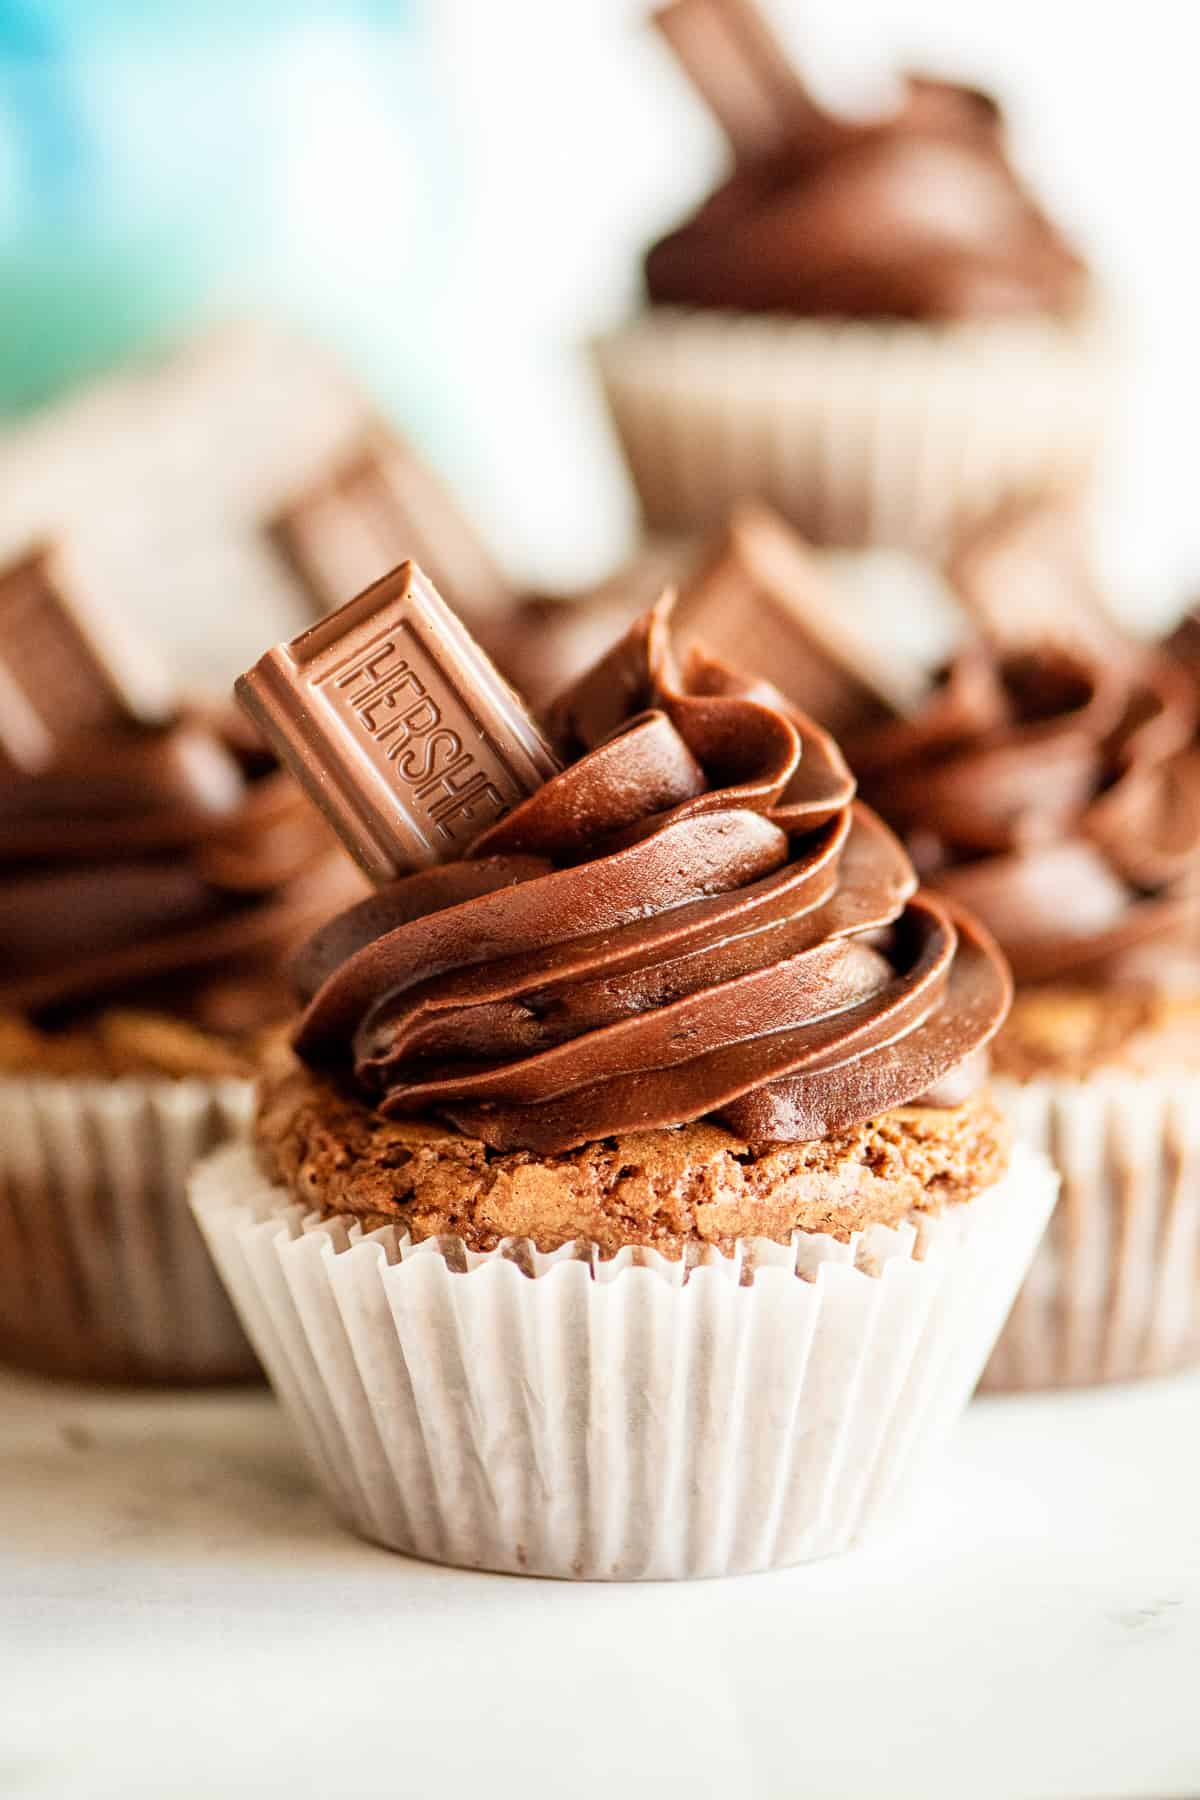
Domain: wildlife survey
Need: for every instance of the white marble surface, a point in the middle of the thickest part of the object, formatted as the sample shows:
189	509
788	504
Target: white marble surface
180	1617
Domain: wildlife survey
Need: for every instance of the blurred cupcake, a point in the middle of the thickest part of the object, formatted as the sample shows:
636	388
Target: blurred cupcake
155	867
634	1208
1049	783
872	325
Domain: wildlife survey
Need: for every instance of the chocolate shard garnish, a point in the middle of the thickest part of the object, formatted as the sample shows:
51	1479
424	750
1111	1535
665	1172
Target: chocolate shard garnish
66	667
762	601
398	726
1026	578
373	509
743	73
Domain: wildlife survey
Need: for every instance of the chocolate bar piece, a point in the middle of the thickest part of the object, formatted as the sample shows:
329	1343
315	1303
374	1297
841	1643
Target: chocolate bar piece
744	74
1025	576
762	602
377	507
397	726
65	668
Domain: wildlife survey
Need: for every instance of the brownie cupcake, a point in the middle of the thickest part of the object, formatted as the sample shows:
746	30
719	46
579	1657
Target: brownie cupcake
1049	783
873	326
155	868
629	1202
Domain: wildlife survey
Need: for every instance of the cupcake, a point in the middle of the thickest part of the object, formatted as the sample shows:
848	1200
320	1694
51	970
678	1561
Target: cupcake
629	1202
1048	782
156	868
872	325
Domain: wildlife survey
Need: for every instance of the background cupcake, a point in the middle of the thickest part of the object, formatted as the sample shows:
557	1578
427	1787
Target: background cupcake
1047	779
874	326
572	1115
1049	783
155	868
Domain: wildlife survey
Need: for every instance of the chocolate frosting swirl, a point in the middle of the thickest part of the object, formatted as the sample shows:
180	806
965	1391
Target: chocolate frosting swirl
918	215
692	920
175	868
1054	792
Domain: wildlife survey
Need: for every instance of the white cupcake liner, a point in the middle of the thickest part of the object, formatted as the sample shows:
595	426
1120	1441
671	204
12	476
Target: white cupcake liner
630	1419
860	432
103	1273
1114	1290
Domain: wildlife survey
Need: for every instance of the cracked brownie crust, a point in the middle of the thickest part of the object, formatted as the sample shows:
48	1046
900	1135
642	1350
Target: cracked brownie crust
696	1185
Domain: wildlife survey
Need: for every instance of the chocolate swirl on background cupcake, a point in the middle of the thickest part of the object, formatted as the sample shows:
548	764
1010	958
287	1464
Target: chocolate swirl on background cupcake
1053	791
851	327
692	920
171	869
917	215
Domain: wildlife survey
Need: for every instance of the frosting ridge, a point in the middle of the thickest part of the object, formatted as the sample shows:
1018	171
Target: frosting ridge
694	919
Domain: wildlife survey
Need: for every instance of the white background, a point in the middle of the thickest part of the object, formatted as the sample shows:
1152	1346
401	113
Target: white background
580	142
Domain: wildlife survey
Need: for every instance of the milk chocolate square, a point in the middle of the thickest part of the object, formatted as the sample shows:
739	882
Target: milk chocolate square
66	670
762	601
742	72
1027	580
398	726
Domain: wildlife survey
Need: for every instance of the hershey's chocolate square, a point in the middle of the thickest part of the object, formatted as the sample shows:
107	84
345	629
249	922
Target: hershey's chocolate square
398	726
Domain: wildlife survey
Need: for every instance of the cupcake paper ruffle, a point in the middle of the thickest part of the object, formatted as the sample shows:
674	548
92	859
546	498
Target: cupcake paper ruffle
103	1274
1114	1290
859	431
631	1419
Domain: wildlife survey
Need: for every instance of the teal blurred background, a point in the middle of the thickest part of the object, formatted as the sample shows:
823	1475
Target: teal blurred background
454	194
163	163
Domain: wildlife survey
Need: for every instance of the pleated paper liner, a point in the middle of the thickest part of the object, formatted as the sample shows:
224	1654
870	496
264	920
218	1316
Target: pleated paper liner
103	1274
631	1419
860	432
1114	1291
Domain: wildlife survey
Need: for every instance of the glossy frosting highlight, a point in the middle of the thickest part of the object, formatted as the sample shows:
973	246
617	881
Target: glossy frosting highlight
693	920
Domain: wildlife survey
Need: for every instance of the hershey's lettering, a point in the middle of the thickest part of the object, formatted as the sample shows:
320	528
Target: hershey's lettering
394	706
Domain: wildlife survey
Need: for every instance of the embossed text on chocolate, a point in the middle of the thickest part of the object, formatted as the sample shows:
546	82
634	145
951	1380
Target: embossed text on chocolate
389	691
397	726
